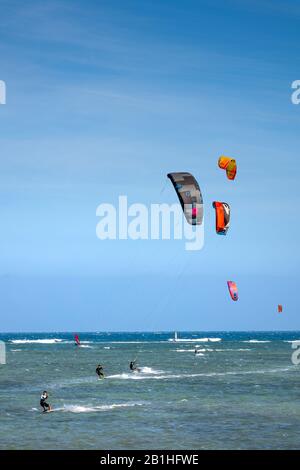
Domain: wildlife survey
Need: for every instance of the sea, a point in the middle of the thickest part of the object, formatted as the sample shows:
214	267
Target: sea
240	391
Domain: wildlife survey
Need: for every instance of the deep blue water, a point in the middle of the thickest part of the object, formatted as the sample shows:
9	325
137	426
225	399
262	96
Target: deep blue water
241	391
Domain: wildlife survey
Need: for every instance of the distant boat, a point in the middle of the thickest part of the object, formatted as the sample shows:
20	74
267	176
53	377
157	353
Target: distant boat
175	339
192	340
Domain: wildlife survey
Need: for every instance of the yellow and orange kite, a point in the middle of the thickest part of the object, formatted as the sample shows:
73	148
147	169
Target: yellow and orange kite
228	164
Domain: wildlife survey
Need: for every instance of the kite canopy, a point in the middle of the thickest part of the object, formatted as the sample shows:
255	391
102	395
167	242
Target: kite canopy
190	197
228	164
222	217
233	290
279	308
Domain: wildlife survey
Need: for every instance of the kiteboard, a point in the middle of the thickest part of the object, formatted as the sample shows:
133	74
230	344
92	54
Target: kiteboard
49	410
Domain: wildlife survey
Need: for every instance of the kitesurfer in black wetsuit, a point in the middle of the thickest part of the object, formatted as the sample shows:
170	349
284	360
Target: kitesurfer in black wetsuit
43	403
99	371
133	367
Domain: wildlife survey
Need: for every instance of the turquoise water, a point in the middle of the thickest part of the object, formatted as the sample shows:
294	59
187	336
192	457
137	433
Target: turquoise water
241	392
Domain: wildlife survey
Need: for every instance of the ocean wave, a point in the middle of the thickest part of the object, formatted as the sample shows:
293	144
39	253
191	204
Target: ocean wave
149	370
237	349
49	341
129	376
256	341
129	342
92	409
195	340
144	372
197	348
36	341
192	350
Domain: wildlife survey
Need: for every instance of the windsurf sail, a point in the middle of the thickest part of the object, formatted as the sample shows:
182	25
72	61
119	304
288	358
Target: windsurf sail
222	217
189	195
233	290
77	340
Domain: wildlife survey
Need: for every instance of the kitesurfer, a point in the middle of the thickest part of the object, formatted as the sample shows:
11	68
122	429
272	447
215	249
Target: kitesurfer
99	371
43	403
133	367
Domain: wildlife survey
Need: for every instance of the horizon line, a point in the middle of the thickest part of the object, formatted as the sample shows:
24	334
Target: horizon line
147	331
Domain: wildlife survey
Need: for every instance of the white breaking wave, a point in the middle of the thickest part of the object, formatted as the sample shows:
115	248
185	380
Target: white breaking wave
136	375
125	376
239	349
70	341
195	340
130	376
49	341
91	409
36	341
212	350
149	370
130	342
192	350
256	341
144	372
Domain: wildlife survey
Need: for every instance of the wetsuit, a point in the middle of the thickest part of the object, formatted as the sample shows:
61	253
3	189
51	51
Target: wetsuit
43	402
99	371
132	366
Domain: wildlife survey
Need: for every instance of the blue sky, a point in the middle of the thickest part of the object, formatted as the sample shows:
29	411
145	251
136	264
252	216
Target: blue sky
107	97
